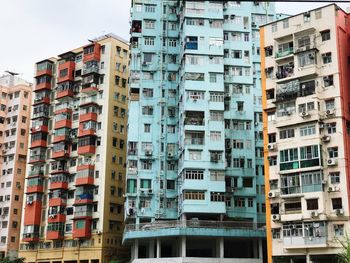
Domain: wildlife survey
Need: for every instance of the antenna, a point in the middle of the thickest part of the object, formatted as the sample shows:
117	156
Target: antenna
12	73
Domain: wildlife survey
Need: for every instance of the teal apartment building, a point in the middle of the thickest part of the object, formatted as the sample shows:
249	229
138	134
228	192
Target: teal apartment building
195	182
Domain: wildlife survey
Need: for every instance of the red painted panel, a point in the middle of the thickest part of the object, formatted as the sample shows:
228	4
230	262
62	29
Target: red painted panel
59	185
42	86
56	218
94	55
57	201
43	128
64	93
32	213
84	180
85	167
83	133
82	232
63	123
88	149
52	235
35	189
30	239
89	89
83	201
44	72
38	143
70	65
60	138
45	100
60	154
91	116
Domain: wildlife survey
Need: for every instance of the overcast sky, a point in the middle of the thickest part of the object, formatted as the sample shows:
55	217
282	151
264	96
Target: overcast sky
32	30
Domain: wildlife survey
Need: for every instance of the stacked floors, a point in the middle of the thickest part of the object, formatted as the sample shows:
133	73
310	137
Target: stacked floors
15	100
73	203
195	185
306	125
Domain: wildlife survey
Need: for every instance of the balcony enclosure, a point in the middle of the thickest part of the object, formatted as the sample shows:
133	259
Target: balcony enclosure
309	157
305	182
194	138
194	118
285	70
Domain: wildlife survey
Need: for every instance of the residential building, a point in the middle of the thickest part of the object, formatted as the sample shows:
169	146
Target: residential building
195	178
15	100
73	208
305	76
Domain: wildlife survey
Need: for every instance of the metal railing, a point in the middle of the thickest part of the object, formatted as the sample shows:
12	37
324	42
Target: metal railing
195	224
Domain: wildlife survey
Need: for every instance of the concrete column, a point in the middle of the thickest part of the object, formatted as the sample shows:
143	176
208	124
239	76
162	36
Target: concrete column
151	249
221	247
158	248
183	246
135	250
308	260
260	248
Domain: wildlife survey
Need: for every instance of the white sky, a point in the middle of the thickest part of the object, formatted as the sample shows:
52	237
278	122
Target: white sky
32	30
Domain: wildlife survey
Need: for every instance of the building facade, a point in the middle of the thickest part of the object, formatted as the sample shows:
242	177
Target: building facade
73	207
305	76
195	178
14	129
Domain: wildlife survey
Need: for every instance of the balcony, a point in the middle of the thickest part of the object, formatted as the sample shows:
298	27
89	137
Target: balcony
35	189
92	52
290	190
194	141
64	93
82	214
60	154
83	199
57	201
30	237
82	228
65	123
39	100
54	235
284	53
43	86
91	70
87	149
61	138
90	88
201	227
85	175
56	218
38	143
40	126
44	68
40	158
58	185
66	71
289	166
41	114
36	173
90	116
32	213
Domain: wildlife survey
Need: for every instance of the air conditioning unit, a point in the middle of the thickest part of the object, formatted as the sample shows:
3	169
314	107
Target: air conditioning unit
150	191
272	146
330	112
326	138
287	112
256	123
99	232
339	212
29	202
331	161
76	107
314	214
52	216
321	125
332	188
276	217
272	194
170	154
148	152
304	114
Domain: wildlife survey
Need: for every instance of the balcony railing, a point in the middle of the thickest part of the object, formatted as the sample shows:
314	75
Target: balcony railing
194	141
290	190
195	224
284	53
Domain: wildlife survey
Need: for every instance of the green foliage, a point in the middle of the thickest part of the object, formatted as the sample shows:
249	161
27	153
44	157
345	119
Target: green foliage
8	260
344	255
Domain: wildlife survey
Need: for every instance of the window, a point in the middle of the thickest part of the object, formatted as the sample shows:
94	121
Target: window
328	81
272	160
194	174
331	127
308	130
338	230
195	155
332	152
215	135
326	35
318	13
330	104
327	58
239	201
149	41
285	23
192	195
335	177
307	17
150	24
147	128
285	134
337	203
289	155
150	8
312	204
248	182
274	27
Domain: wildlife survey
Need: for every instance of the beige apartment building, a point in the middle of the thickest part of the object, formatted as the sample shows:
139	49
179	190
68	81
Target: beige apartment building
306	100
15	100
73	207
